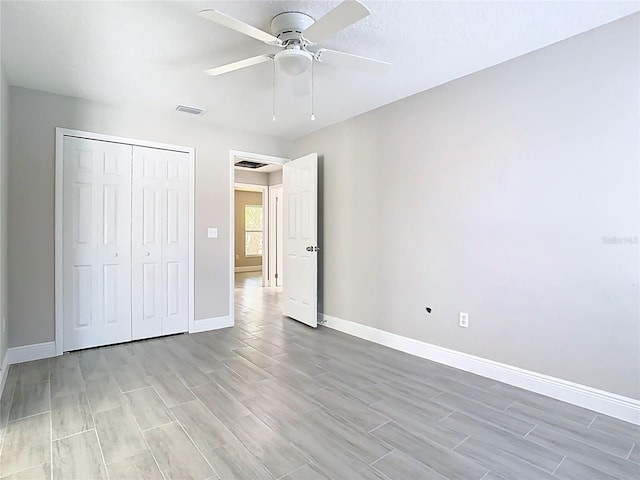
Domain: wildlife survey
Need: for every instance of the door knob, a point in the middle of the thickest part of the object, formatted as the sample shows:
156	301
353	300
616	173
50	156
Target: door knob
115	254
148	254
309	249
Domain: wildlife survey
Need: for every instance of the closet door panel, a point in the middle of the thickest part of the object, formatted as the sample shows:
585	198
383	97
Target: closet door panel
160	186
96	243
176	246
146	244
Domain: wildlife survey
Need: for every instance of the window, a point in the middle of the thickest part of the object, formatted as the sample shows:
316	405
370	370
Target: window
253	230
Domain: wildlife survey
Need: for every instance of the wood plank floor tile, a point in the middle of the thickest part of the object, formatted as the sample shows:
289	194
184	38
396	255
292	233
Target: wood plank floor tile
118	434
176	455
583	453
202	426
499	461
634	456
357	441
618	428
564	425
273	451
141	466
307	472
148	408
27	443
351	409
171	389
78	456
67	380
70	414
233	460
399	465
30	397
444	461
489	415
39	472
332	459
522	448
104	394
572	470
219	402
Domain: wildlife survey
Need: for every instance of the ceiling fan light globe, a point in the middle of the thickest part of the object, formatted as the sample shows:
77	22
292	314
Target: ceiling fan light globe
293	62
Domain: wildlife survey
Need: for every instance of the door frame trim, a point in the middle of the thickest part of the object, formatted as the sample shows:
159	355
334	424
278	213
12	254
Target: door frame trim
273	233
58	209
258	157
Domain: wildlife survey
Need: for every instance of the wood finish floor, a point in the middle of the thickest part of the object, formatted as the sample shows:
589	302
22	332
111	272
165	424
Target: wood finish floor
272	398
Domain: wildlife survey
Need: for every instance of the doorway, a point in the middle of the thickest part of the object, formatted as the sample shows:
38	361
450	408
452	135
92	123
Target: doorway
299	180
257	231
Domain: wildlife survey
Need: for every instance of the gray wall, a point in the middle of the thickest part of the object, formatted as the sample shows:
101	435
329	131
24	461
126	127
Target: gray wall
259	178
33	118
4	160
254	178
275	178
496	194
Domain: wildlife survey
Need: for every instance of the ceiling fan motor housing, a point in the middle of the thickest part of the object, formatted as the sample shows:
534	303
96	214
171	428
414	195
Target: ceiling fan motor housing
288	26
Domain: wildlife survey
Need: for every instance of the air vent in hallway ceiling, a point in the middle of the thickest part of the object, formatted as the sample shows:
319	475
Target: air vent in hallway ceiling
191	110
249	164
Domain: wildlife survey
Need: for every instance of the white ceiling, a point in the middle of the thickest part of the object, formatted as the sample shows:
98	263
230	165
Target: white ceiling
152	54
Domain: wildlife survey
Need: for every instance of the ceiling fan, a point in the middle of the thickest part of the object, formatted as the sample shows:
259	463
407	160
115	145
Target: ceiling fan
298	35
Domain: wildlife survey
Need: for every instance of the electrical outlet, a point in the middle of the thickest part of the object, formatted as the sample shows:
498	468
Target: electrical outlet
464	320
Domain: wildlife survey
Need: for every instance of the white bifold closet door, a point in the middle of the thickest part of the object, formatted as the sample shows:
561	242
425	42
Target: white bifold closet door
125	242
160	242
96	243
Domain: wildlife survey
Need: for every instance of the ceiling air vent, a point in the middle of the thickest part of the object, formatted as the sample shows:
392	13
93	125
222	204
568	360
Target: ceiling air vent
249	164
191	110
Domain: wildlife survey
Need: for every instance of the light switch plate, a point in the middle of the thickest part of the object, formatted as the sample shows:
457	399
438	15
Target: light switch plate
212	232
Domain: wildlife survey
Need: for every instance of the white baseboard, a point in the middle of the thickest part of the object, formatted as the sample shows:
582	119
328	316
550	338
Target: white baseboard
627	409
28	353
4	370
251	268
214	323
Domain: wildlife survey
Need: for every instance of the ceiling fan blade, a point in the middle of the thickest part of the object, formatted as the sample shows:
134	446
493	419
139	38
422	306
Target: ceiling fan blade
230	67
348	60
345	14
239	26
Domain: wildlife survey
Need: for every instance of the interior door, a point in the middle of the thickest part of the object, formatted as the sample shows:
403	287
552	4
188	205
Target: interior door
96	243
300	195
160	243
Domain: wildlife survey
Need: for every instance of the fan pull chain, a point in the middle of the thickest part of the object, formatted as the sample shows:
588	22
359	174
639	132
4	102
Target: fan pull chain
274	91
313	116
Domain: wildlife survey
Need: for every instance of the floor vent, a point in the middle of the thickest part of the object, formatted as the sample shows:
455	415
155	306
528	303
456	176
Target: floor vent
191	110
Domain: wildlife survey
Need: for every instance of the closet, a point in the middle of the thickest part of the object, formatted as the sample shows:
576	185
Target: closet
125	242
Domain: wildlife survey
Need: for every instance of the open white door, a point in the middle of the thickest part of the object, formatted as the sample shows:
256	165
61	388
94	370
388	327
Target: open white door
300	195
